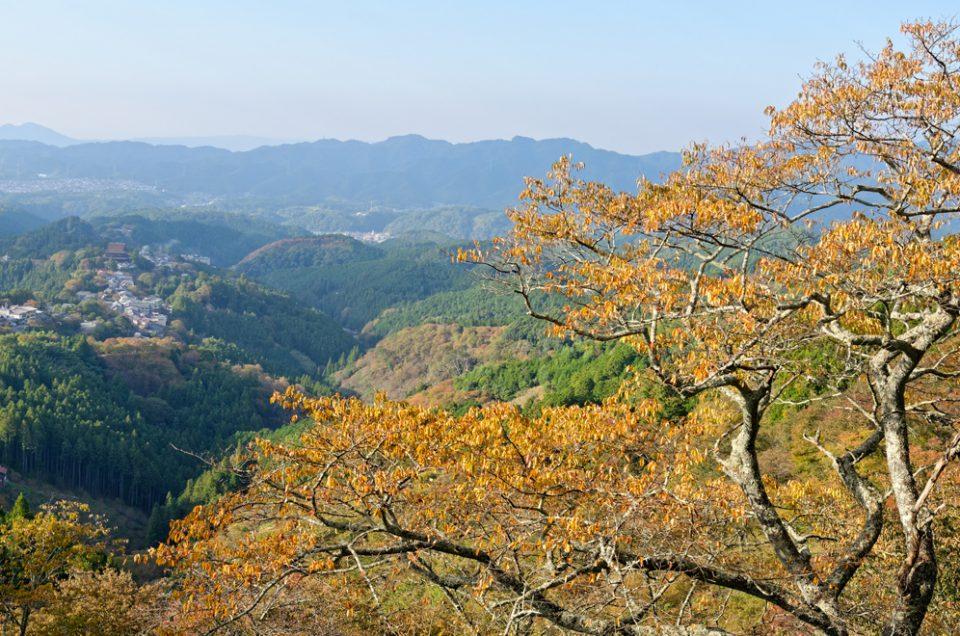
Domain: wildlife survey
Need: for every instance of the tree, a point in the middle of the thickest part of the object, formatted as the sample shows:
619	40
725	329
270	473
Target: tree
108	603
37	552
816	266
20	508
156	525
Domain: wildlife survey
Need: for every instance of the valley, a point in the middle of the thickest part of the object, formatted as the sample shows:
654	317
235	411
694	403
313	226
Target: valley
278	383
175	331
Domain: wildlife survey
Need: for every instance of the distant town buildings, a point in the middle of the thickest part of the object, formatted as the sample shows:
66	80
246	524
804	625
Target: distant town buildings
196	258
118	293
116	281
369	237
44	184
159	256
148	314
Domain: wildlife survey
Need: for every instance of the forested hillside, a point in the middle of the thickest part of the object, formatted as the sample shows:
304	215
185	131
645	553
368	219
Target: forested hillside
329	249
90	409
29	278
17	222
104	418
67	234
264	326
224	238
62	266
574	374
353	282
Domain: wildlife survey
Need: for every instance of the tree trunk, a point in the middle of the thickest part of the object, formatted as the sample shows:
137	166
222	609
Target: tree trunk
743	468
918	573
890	373
24	621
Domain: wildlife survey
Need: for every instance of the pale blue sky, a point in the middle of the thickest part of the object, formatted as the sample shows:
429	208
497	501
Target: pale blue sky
629	76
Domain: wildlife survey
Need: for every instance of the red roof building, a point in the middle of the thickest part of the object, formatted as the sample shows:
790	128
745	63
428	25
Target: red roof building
117	251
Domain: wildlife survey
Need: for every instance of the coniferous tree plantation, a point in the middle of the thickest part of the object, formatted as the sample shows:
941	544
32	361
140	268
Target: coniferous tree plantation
69	419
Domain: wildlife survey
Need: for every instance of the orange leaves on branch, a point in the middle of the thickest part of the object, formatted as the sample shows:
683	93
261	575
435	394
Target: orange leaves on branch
367	479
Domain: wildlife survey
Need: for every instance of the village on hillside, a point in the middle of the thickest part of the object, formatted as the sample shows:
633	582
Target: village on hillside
115	291
148	314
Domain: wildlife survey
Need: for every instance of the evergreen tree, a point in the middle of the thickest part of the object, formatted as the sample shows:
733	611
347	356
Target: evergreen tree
156	526
20	509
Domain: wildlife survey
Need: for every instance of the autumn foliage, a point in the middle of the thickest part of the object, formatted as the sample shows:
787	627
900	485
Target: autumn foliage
816	266
53	574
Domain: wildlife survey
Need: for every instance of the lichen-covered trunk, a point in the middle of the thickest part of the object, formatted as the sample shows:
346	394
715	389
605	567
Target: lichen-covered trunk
918	572
742	466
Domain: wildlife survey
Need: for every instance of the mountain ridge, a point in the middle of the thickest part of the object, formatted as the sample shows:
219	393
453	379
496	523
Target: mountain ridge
401	172
30	131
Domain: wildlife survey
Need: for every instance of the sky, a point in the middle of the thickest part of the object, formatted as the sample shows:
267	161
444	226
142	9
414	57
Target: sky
634	77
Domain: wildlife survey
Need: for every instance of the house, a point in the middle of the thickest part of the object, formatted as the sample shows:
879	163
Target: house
152	303
196	258
17	312
118	280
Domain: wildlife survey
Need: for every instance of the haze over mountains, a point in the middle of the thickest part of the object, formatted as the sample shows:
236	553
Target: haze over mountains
400	172
35	132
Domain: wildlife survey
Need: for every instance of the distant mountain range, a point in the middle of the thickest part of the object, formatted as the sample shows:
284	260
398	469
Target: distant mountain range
35	132
401	172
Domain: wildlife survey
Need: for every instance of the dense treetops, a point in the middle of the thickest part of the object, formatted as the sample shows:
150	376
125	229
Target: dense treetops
357	282
265	326
56	575
330	249
103	419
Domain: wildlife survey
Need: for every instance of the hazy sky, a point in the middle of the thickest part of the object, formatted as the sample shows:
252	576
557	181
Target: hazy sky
629	76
